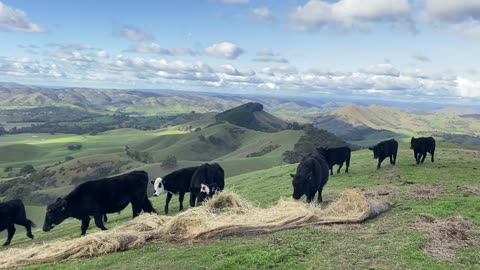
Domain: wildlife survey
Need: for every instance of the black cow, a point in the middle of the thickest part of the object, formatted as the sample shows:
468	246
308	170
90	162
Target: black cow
422	146
11	213
99	197
206	181
385	149
311	176
337	156
177	182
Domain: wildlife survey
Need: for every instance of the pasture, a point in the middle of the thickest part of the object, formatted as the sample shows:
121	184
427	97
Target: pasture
395	240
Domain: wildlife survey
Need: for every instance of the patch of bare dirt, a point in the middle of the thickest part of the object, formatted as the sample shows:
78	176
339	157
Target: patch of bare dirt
412	191
448	235
472	190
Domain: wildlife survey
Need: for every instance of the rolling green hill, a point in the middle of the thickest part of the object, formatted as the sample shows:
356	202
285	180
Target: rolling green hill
395	240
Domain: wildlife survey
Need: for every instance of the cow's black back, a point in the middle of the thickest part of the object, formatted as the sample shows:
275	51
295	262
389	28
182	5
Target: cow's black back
338	156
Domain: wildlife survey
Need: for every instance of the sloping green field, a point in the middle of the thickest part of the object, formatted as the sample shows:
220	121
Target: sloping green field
443	189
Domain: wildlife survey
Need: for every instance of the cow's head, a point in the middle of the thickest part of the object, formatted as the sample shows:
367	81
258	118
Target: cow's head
300	180
413	143
207	191
322	151
376	151
56	214
158	187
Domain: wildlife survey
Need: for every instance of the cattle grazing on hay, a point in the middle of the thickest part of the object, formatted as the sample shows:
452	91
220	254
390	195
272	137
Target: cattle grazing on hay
99	197
422	146
11	213
177	182
206	181
311	176
338	156
385	149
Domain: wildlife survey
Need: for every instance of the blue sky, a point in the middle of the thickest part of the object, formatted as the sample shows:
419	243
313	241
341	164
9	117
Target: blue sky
419	49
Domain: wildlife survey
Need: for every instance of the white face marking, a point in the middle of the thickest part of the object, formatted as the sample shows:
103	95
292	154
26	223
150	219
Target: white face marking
204	189
158	186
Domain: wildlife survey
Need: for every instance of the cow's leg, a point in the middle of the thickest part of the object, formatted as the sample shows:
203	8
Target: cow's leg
193	198
339	167
136	207
99	222
11	232
320	199
424	155
85	224
180	199
379	162
331	170
394	158
105	218
347	164
28	227
167	202
433	154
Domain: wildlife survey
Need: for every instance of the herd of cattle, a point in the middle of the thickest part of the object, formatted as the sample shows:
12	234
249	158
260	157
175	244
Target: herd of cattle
97	198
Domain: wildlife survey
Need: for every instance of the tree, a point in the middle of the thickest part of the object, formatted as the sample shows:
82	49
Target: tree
27	169
170	162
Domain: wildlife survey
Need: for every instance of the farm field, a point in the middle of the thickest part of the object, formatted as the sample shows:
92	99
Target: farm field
447	188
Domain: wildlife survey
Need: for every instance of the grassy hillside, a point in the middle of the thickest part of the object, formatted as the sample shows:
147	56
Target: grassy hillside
394	240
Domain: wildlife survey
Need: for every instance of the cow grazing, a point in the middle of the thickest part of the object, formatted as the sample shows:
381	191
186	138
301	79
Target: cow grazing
99	197
177	182
311	176
422	146
206	181
385	149
11	213
337	156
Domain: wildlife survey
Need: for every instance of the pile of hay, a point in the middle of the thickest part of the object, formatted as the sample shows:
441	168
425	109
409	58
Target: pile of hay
224	215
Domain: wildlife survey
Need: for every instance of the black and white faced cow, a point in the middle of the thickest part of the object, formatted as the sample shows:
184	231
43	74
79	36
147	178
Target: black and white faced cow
422	146
311	176
177	182
206	182
11	213
99	197
385	149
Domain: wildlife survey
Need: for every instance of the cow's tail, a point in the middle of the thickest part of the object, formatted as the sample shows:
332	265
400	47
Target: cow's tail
147	206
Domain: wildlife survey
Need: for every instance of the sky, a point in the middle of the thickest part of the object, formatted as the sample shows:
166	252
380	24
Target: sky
418	50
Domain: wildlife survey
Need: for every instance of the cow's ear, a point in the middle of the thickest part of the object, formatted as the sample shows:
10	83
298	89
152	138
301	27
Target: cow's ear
153	182
413	138
371	148
58	199
292	175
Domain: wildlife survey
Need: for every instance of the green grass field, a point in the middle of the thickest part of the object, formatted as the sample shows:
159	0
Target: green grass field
390	241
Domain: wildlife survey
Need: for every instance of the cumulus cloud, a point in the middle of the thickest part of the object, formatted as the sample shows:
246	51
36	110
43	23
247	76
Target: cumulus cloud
267	55
460	16
154	48
421	58
16	20
27	67
382	69
262	14
351	14
468	88
132	33
226	50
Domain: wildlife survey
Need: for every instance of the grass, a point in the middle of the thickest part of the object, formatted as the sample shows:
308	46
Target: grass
387	242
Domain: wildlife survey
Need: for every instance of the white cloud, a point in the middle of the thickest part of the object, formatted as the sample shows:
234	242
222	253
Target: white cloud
421	57
27	67
234	2
262	13
132	33
226	50
382	69
459	16
351	14
102	54
468	88
267	55
16	20
155	48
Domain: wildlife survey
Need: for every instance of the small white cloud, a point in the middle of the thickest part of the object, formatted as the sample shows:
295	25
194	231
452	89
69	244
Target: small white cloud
421	58
262	14
132	33
351	14
226	50
267	55
102	54
154	48
16	20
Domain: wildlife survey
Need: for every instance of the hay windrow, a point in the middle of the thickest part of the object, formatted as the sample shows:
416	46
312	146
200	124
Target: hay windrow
224	215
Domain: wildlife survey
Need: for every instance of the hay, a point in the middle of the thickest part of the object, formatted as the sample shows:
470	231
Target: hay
224	215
